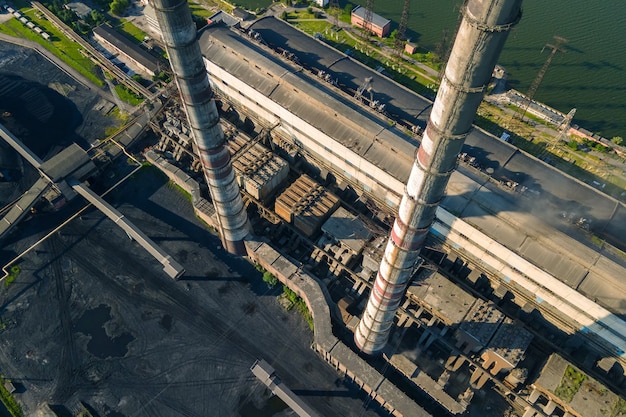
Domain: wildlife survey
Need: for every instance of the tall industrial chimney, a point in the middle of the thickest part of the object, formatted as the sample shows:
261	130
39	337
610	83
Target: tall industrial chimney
478	44
179	35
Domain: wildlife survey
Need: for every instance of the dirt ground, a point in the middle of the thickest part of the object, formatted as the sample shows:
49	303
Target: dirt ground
93	318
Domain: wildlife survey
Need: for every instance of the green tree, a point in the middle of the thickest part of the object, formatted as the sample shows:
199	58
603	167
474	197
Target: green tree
572	144
618	140
118	7
269	279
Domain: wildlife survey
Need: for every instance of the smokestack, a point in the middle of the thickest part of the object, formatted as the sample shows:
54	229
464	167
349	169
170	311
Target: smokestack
179	35
479	41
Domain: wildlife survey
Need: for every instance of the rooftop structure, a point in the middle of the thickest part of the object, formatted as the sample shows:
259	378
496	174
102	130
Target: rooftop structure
128	50
259	171
567	388
372	254
242	14
347	229
442	297
306	204
507	348
80	8
378	25
479	326
222	16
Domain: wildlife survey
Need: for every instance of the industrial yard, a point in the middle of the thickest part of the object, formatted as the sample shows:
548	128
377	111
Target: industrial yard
510	308
132	342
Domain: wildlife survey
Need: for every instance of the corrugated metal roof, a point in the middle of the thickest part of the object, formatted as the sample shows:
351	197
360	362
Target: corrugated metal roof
65	162
329	111
127	46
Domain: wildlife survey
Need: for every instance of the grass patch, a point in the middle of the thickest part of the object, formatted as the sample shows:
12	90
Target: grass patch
9	402
252	4
62	47
311	27
14	271
270	279
620	408
299	304
597	241
200	11
301	14
132	31
125	94
570	384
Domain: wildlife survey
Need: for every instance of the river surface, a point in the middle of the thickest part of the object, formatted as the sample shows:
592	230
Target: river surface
590	76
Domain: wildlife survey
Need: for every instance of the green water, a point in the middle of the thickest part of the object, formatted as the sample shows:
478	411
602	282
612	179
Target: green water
591	76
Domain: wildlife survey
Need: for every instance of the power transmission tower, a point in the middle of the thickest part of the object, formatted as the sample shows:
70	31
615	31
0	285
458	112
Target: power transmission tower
334	12
556	47
400	37
564	127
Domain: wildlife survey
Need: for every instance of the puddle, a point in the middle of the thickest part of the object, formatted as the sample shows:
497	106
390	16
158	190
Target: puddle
101	345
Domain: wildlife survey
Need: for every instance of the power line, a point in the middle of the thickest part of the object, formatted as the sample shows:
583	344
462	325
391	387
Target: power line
401	35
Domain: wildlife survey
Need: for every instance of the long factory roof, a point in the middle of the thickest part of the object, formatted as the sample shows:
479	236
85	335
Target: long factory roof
508	218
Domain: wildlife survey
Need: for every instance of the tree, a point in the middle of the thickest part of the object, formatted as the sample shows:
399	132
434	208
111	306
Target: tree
269	279
348	8
97	17
618	140
118	7
572	144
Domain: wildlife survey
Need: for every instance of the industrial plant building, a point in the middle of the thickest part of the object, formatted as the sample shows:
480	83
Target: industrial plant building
126	49
378	25
339	135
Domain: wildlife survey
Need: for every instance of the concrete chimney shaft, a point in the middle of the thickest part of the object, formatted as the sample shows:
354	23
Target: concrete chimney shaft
479	41
179	35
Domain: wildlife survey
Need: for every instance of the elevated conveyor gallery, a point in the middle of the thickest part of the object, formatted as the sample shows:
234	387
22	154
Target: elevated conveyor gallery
170	266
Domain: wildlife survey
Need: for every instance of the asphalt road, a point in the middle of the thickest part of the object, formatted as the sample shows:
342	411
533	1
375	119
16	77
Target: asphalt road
188	345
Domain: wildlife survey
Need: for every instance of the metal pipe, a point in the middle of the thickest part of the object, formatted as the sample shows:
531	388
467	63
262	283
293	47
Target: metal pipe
179	35
479	41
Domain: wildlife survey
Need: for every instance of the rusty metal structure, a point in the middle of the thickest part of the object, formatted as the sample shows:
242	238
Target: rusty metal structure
479	41
179	35
398	44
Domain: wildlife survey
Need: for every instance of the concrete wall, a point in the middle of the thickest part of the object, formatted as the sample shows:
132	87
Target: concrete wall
317	299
